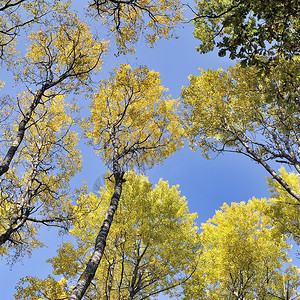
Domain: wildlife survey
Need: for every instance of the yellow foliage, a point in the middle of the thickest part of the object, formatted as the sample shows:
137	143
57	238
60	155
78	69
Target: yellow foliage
284	209
243	256
152	19
217	102
63	49
153	233
42	289
132	121
227	109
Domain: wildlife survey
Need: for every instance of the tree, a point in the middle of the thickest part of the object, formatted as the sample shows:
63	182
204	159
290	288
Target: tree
240	110
242	257
248	30
132	124
151	247
38	145
39	194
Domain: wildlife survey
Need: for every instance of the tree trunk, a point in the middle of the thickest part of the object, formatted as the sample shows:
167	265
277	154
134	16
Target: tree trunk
92	265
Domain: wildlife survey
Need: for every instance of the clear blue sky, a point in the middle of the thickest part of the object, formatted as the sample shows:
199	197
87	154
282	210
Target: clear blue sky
206	184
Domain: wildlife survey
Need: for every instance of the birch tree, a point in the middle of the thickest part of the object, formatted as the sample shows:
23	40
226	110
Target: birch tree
132	124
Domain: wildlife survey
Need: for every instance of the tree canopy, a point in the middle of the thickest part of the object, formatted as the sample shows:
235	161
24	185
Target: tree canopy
243	257
133	122
150	250
240	110
135	126
248	30
133	240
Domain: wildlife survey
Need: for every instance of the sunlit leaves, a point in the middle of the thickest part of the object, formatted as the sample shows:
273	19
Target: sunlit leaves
243	257
129	20
248	30
218	102
42	289
132	120
64	49
152	243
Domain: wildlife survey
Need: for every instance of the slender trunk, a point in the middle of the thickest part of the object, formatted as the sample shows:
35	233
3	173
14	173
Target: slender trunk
4	166
22	126
278	178
92	265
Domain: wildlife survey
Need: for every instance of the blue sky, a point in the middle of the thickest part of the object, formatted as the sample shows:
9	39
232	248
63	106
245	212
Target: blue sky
207	184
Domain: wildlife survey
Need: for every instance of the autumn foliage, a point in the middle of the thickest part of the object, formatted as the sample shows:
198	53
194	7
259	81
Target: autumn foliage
132	239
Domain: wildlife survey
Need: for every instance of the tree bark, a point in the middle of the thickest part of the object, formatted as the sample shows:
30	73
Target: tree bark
4	165
92	265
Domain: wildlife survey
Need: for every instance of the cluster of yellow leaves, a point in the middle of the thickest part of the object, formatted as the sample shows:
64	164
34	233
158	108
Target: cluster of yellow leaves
243	256
130	115
153	233
128	20
64	48
42	289
219	101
